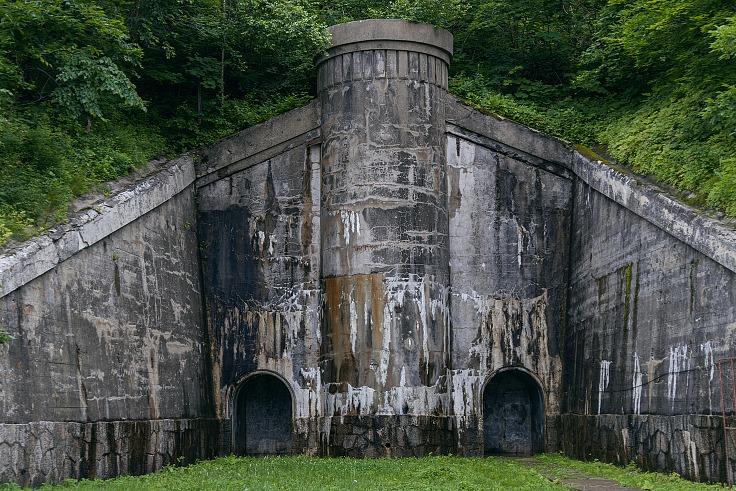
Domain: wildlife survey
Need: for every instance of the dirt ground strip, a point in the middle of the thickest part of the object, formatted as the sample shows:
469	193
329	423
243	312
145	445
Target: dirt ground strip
574	479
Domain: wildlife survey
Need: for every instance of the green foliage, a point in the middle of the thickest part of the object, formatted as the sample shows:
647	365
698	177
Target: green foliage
724	39
5	338
571	120
90	89
307	473
69	51
87	84
648	80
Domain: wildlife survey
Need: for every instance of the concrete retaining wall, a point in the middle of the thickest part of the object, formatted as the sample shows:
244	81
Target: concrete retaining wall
107	370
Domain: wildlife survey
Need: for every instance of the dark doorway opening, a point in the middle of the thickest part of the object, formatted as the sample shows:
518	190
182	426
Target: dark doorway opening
262	417
513	414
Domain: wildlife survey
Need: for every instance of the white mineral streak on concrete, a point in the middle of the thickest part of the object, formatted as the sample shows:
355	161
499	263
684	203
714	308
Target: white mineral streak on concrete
350	224
603	379
422	301
466	386
691	452
710	366
416	400
308	394
271	242
261	240
520	233
418	290
353	322
152	343
497	315
284	322
625	438
357	400
385	342
636	385
402	384
678	363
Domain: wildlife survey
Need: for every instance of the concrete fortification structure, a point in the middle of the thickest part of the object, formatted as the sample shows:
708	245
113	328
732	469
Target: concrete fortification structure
383	272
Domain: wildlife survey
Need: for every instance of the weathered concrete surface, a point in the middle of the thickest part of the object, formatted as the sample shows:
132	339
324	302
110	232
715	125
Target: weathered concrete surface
506	132
703	233
259	242
650	317
711	237
259	143
112	333
385	272
47	451
385	252
509	232
691	445
411	36
390	436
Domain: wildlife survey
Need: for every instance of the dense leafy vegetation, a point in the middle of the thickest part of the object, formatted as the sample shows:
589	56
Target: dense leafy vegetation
90	89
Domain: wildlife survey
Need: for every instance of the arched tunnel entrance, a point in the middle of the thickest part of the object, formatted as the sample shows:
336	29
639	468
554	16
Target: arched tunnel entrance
513	414
262	416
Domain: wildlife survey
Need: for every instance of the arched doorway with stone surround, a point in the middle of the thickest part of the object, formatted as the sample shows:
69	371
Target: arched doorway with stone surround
262	416
513	414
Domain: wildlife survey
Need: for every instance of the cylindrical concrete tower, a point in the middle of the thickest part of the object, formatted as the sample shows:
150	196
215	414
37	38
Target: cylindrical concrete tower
385	272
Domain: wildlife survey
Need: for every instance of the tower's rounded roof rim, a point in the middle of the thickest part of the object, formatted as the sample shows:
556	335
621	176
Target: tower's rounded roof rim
360	31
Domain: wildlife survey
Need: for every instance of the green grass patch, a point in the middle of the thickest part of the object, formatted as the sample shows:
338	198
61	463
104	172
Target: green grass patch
307	473
560	467
441	472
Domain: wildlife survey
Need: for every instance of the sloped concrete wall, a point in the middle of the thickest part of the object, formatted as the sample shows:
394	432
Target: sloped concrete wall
106	372
650	317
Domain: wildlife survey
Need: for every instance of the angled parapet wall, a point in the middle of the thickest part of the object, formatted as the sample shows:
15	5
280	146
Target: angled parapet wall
105	373
652	314
649	318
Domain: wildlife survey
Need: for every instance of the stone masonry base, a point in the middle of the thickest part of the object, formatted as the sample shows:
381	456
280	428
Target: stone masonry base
691	445
50	451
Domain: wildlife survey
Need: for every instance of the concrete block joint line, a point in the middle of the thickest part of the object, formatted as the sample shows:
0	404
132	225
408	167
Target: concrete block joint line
382	272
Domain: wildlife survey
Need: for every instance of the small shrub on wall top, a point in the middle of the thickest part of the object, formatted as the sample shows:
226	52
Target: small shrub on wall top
5	338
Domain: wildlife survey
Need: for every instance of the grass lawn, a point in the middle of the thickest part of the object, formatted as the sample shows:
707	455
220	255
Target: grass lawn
556	465
306	473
